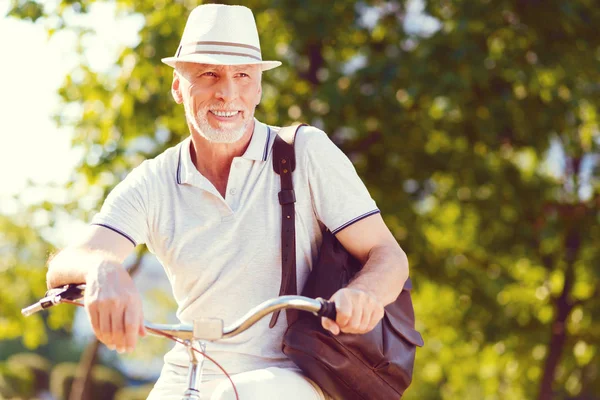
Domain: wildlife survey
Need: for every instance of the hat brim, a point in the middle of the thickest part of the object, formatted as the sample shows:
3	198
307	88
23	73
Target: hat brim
220	59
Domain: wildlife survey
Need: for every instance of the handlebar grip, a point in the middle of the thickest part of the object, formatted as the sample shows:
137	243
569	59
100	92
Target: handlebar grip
327	309
46	302
54	296
32	309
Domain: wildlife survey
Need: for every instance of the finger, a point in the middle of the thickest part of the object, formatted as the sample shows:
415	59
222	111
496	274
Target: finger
370	315
354	323
142	330
117	317
92	312
344	311
104	325
325	323
330	325
132	328
376	316
365	319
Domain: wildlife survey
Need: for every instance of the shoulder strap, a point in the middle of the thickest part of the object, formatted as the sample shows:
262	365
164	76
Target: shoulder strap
284	162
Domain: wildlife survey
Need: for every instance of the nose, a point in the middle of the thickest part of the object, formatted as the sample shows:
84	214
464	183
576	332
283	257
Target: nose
226	90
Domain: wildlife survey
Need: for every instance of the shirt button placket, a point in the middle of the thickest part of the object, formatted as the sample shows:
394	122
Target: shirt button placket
232	191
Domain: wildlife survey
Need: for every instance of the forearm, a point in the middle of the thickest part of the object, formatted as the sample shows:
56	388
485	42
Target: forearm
384	273
72	265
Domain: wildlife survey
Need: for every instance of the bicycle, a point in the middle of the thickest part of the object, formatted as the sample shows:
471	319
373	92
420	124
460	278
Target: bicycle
202	330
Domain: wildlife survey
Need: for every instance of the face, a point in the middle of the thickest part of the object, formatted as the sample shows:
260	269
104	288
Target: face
219	100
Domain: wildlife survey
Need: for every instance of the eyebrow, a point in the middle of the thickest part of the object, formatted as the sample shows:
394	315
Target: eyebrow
245	68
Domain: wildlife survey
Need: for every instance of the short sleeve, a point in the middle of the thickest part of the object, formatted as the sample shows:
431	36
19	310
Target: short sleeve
125	209
339	196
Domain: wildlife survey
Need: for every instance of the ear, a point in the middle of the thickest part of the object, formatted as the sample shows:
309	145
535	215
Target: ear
175	90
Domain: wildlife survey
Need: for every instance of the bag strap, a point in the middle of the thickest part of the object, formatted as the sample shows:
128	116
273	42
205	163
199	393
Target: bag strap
284	163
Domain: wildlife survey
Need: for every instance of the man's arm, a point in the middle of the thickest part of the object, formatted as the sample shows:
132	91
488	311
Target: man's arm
112	301
360	304
99	245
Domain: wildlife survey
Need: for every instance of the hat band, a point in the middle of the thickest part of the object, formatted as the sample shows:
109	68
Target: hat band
226	53
223	48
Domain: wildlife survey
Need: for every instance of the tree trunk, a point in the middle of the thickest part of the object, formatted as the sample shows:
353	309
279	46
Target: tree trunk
314	49
563	308
82	385
557	342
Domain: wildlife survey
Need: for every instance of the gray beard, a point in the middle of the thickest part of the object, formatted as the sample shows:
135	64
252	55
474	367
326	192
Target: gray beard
203	127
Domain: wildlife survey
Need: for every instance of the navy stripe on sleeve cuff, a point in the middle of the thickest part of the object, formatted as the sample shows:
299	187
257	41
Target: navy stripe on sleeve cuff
347	224
119	232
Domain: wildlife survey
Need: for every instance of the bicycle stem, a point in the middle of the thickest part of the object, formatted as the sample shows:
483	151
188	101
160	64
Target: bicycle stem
195	369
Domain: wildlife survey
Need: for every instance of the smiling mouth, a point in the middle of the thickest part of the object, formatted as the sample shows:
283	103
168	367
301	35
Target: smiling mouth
225	114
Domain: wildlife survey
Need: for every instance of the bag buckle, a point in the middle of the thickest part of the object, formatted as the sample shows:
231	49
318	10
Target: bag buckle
287	197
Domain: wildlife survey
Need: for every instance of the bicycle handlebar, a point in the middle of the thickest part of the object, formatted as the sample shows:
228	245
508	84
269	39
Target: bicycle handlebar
54	297
204	328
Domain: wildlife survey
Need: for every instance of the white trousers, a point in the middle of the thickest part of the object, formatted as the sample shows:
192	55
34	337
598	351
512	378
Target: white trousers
268	383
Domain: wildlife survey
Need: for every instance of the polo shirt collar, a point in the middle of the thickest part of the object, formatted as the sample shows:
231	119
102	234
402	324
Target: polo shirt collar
258	150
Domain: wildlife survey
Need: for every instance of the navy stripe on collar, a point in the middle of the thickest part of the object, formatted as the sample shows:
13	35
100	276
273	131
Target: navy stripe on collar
267	144
178	177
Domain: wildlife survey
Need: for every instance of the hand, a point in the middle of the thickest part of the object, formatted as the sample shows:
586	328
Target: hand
114	306
357	312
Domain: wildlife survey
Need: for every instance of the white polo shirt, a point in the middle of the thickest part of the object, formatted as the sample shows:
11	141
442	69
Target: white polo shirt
222	255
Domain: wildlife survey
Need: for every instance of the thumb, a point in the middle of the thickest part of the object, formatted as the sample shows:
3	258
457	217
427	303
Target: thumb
142	331
330	325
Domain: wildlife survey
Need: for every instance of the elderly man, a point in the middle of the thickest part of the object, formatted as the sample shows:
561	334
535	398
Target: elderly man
208	209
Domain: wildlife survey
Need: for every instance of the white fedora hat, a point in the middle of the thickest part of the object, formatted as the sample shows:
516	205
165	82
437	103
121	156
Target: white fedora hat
222	35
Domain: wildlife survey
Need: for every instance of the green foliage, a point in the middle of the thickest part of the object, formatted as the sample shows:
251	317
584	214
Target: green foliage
16	381
134	392
105	381
452	131
39	366
22	282
29	10
61	380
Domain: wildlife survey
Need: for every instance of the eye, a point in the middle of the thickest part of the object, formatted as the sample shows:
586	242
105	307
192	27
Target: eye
243	75
208	73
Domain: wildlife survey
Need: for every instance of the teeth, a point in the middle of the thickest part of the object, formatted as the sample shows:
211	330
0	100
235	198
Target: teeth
225	113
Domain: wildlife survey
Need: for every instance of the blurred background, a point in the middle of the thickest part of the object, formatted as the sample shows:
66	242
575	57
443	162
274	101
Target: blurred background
473	123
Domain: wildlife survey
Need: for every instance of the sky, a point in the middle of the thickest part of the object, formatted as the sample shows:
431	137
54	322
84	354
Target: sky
32	147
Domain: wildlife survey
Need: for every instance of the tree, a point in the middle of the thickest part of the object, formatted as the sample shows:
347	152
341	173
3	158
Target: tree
456	133
23	282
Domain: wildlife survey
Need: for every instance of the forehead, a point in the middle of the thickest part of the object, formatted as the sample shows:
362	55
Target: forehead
195	67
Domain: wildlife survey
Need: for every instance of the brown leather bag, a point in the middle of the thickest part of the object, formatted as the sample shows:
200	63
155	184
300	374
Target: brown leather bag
375	366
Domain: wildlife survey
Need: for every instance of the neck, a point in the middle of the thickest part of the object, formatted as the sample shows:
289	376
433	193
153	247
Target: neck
213	160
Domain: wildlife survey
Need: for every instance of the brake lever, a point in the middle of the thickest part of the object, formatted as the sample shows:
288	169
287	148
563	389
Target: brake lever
68	292
54	296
